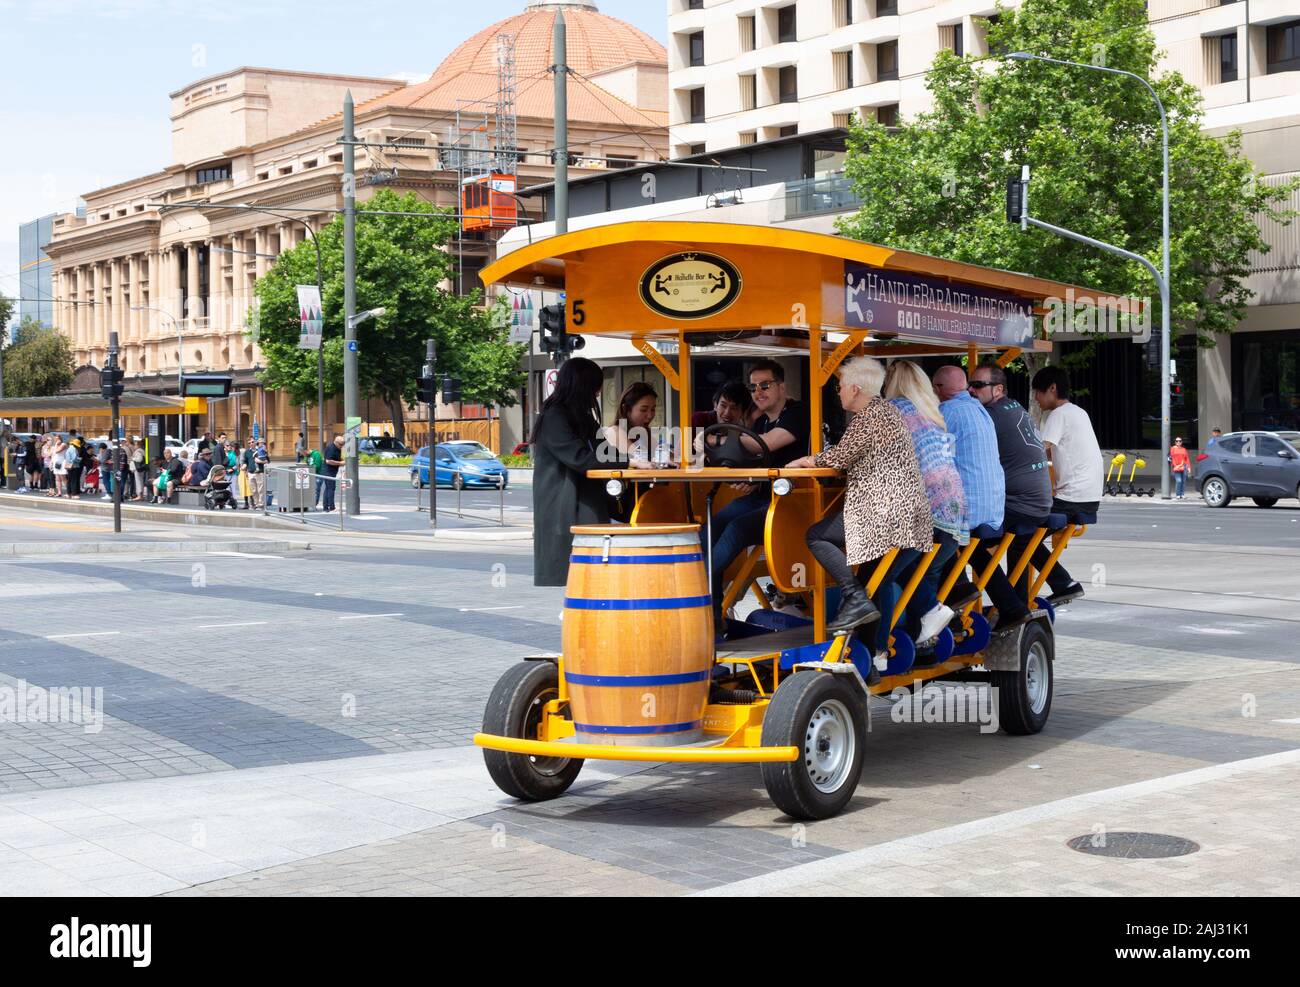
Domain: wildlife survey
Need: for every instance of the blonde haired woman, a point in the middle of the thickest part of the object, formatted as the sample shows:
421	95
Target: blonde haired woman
909	390
59	464
884	502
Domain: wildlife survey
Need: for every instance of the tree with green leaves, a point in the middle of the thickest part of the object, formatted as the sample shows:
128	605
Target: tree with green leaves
1092	141
402	264
6	313
39	362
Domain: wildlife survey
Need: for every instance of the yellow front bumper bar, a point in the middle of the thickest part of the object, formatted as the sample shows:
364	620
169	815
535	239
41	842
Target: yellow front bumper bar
614	752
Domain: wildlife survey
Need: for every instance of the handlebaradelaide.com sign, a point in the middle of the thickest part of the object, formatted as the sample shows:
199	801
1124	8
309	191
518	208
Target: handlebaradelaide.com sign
891	301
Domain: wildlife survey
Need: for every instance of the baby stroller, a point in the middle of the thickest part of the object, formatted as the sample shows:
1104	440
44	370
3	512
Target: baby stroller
90	479
216	493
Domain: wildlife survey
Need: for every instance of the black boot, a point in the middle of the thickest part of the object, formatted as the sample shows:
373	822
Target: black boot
855	608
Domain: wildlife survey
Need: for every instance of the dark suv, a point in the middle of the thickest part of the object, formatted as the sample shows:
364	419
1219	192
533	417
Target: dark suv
1263	466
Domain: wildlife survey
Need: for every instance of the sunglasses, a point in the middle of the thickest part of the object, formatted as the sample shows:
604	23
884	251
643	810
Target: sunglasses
979	385
762	385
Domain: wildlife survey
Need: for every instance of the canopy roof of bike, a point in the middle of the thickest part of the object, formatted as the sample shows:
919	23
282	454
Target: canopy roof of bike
648	280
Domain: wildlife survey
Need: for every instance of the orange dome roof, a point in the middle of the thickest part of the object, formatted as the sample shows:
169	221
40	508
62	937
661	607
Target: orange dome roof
595	42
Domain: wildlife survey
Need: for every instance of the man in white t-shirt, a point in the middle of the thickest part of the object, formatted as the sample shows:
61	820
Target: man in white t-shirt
1076	462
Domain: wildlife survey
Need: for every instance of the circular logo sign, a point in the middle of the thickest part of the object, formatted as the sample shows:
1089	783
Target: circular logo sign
690	285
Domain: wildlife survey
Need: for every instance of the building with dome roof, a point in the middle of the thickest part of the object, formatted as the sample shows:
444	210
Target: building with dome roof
177	285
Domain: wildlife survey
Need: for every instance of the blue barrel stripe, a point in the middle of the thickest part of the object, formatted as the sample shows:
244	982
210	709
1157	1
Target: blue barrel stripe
650	728
636	559
671	678
664	603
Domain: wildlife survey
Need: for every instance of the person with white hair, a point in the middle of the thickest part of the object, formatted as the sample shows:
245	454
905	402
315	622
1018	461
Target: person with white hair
909	390
884	505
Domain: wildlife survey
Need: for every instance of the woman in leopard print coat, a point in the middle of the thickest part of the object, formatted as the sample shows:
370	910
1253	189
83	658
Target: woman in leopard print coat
885	504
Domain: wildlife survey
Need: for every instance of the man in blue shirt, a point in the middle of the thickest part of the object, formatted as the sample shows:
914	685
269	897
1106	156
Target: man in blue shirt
977	447
982	479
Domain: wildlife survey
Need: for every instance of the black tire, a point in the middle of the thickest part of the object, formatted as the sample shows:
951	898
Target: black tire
514	710
1264	501
1215	491
1024	697
820	713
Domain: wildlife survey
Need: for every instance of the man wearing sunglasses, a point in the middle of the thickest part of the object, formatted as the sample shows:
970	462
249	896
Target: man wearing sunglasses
1028	489
784	426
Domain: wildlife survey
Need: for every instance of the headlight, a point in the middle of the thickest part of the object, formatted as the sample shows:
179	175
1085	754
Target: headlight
614	487
782	486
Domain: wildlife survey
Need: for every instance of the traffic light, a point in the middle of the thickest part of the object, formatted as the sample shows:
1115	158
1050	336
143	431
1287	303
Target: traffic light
427	388
110	383
1015	200
550	319
556	342
450	389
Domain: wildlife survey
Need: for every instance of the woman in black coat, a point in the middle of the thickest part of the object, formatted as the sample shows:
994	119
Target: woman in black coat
565	445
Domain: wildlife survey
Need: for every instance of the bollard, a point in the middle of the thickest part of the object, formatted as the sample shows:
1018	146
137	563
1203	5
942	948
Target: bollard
501	488
460	489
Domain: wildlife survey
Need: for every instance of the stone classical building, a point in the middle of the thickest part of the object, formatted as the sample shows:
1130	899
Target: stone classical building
177	285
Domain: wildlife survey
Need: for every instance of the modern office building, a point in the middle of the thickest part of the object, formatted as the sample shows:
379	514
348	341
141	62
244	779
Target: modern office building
747	72
35	272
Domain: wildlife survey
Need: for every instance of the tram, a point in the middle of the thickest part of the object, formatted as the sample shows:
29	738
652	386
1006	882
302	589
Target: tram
640	677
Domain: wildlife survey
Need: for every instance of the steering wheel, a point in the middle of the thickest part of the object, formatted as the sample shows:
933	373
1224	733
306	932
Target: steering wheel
722	447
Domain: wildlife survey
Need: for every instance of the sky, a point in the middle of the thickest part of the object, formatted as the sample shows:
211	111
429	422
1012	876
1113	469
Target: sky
84	84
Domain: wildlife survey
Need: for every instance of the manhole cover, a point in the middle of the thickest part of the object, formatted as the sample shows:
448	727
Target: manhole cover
1133	845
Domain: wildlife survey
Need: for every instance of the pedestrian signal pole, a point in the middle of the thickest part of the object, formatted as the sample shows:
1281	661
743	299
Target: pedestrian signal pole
429	395
110	387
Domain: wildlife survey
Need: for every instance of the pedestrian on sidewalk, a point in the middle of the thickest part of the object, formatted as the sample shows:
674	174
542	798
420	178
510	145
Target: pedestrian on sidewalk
33	463
1181	464
316	459
333	456
72	461
59	465
255	459
140	469
105	456
300	448
20	464
47	465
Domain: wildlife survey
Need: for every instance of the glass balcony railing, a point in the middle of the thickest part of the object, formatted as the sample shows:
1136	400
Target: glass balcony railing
826	193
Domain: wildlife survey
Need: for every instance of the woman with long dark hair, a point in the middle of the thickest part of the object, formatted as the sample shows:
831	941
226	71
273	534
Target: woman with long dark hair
630	433
565	445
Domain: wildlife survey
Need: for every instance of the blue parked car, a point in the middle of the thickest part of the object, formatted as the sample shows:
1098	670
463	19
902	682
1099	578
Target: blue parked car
461	464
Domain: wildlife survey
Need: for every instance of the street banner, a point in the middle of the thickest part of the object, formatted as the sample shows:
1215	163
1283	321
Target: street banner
311	318
523	317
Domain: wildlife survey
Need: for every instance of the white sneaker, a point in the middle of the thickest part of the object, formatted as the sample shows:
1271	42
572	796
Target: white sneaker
934	622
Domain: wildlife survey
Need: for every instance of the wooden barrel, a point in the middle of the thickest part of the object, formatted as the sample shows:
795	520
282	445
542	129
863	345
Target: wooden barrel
638	634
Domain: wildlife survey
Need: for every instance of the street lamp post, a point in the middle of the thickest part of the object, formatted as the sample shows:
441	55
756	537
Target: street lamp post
1162	276
351	469
180	360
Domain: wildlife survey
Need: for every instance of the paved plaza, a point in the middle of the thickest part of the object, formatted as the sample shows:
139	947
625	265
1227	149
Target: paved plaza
293	716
